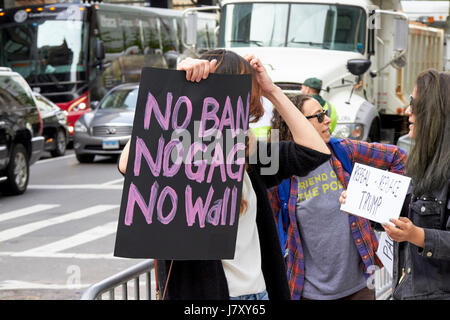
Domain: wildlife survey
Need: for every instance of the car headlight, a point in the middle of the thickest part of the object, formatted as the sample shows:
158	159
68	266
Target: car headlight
79	127
349	131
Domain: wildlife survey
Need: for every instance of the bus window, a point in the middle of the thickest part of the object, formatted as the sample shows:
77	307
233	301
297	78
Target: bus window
47	52
168	33
150	33
63	50
16	52
132	43
111	34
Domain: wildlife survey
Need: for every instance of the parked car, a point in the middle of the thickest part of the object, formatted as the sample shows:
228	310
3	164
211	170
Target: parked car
56	130
107	129
21	140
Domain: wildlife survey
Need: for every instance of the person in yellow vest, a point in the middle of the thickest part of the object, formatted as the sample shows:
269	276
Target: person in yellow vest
312	87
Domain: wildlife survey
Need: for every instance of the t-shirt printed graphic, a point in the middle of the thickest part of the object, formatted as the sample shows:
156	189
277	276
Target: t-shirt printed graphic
332	262
319	184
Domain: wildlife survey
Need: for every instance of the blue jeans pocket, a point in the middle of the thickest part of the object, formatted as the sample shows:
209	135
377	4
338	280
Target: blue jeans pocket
256	296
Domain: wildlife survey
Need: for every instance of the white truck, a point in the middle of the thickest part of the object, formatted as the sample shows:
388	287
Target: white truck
366	52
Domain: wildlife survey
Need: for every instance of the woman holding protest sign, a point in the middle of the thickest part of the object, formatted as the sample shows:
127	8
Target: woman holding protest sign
421	267
422	233
257	270
329	255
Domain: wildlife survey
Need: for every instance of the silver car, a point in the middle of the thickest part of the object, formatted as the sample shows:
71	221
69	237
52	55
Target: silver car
107	129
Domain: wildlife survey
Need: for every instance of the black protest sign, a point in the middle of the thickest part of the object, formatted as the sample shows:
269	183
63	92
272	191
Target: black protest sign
183	184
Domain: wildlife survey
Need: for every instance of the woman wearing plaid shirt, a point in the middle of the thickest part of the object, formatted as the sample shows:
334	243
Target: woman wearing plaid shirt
330	254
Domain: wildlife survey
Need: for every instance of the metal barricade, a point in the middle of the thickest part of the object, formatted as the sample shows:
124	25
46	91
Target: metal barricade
382	283
122	281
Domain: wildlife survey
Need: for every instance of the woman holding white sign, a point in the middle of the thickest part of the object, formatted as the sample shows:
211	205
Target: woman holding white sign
257	270
422	233
421	268
330	254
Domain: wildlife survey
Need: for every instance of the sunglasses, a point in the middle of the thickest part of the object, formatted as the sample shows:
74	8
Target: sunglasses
412	103
320	116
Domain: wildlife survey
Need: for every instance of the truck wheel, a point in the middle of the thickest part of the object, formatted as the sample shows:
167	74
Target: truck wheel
17	171
374	133
60	144
85	158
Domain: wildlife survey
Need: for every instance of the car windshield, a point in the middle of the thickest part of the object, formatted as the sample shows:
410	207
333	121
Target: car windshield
46	51
303	25
121	99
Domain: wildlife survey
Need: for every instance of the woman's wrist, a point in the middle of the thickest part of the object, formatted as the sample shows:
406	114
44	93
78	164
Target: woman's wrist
418	237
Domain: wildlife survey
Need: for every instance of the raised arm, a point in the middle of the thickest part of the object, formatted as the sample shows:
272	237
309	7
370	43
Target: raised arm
302	130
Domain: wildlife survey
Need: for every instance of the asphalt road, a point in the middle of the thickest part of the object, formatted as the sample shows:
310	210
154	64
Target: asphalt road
58	238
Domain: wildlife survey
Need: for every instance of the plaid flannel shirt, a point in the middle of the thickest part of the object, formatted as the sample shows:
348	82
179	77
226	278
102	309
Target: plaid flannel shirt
381	156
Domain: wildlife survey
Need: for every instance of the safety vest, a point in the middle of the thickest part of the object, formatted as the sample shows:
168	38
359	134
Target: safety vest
261	132
331	113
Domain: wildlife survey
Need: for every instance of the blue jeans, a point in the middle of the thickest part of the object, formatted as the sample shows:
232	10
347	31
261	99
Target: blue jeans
256	296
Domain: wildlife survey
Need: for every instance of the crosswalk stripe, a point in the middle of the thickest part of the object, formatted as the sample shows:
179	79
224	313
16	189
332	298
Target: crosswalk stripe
113	182
26	211
21	285
73	241
31	227
64	255
55	159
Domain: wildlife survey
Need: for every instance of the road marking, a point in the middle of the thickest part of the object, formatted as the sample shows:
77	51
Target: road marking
75	186
109	185
63	255
31	227
113	182
55	159
73	241
18	285
26	211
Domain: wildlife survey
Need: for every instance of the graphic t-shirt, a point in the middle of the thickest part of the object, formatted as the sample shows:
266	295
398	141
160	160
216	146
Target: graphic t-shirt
333	267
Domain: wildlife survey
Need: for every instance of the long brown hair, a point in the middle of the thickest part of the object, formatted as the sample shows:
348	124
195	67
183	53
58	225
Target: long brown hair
428	162
277	122
228	62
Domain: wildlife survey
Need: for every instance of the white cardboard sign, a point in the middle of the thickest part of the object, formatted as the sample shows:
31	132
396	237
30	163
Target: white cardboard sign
386	252
375	194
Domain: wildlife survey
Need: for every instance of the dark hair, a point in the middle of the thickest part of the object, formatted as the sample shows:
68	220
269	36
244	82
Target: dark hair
277	122
229	62
428	162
